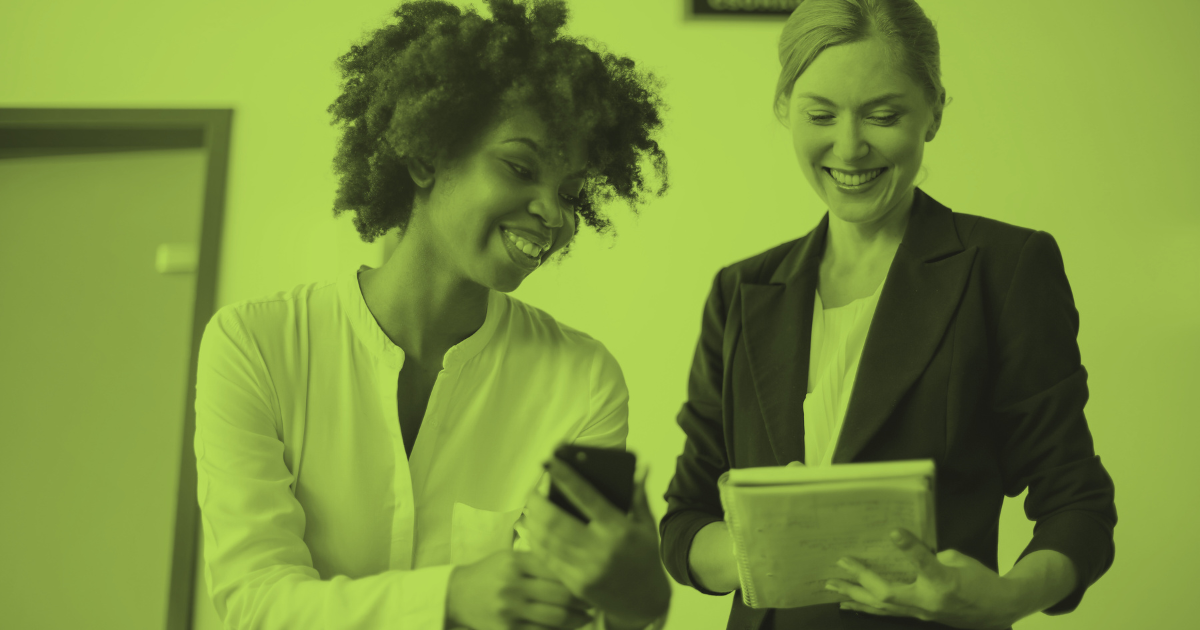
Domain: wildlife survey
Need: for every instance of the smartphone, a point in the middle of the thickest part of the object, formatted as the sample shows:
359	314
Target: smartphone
609	470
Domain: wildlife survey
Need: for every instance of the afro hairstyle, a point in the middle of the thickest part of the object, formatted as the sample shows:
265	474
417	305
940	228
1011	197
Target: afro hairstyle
433	82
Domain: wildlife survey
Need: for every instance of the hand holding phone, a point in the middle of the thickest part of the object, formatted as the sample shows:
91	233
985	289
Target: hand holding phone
612	560
609	471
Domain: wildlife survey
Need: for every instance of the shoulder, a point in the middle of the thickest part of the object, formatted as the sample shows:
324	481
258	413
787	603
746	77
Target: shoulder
760	267
529	327
756	269
273	319
990	234
1003	246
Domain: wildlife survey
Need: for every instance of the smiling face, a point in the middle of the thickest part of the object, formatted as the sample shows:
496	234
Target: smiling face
852	110
501	210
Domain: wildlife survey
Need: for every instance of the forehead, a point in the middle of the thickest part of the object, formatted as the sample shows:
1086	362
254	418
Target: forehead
850	74
523	122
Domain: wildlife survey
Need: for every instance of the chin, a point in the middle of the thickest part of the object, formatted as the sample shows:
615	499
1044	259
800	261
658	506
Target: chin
498	280
505	286
858	215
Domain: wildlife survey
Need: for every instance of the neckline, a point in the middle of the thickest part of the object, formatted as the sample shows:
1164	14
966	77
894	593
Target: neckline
367	329
873	294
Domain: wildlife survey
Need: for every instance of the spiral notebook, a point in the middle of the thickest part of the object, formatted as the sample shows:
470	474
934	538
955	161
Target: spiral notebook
790	525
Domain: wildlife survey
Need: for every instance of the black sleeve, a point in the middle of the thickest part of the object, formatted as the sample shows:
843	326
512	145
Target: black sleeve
1041	390
692	498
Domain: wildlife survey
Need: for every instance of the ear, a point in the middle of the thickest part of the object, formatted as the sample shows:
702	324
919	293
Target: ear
937	119
420	171
783	107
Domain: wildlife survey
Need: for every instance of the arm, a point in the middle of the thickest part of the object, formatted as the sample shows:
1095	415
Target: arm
619	572
257	566
693	502
1041	390
711	559
1038	581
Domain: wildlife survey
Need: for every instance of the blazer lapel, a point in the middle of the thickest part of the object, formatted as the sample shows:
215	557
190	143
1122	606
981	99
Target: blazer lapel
776	330
920	295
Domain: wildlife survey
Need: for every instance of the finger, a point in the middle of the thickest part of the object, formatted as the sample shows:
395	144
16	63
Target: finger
583	494
795	464
917	553
640	503
533	567
863	600
862	608
553	559
552	591
870	589
544	519
890	610
550	616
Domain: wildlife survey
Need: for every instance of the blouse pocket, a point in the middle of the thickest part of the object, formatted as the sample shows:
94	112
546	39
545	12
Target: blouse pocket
476	534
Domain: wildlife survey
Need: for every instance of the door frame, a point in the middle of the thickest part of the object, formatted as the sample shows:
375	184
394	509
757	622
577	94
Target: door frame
30	132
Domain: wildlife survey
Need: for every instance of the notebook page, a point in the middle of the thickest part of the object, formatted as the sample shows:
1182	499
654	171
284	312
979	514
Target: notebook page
766	475
789	537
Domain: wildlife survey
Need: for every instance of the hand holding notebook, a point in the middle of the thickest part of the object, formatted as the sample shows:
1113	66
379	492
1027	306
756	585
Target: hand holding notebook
790	525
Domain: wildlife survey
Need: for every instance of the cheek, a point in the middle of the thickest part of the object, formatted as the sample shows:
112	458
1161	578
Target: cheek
567	232
904	147
806	150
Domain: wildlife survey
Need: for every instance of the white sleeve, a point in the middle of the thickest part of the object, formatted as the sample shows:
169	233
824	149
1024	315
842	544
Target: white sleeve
257	566
607	425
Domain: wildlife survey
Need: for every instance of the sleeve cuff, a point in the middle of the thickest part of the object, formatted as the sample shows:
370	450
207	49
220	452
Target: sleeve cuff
429	610
687	524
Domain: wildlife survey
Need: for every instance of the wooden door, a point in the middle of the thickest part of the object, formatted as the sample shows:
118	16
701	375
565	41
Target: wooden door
95	344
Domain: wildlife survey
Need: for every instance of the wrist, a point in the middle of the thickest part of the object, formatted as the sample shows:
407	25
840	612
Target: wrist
1014	603
1037	582
711	559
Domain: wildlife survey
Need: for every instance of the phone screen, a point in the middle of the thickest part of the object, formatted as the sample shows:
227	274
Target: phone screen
609	470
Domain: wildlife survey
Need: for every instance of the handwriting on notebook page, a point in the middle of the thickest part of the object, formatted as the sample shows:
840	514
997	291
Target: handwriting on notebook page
797	539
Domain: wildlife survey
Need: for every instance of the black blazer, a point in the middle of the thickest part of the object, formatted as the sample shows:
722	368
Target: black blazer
970	360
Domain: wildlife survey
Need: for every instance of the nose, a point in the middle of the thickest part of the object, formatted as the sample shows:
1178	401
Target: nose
849	146
547	210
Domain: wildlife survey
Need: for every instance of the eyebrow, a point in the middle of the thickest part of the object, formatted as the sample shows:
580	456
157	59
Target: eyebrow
878	99
537	149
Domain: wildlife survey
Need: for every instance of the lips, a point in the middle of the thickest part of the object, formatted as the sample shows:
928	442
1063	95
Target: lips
539	239
522	259
860	188
854	183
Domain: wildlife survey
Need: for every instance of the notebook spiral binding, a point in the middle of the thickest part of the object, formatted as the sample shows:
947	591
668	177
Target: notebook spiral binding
735	532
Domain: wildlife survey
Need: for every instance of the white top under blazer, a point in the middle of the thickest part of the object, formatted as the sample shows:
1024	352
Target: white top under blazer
838	336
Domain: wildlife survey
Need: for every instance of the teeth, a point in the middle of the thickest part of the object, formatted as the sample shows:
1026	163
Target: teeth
527	248
854	180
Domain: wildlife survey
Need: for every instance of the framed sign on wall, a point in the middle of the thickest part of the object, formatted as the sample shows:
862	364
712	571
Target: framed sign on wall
719	8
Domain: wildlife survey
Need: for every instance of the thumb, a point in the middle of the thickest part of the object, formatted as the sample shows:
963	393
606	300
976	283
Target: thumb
921	556
640	504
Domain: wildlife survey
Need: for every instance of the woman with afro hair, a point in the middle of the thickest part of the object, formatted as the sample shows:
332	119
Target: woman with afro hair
369	449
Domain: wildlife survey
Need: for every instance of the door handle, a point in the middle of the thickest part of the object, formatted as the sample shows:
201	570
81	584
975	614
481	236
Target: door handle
177	258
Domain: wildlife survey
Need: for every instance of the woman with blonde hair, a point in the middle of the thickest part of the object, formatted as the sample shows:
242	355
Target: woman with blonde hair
896	329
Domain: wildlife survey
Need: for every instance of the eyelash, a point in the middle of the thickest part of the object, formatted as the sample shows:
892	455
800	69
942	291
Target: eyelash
885	121
525	174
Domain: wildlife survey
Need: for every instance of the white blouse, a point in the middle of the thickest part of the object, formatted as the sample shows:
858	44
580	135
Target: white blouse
313	515
838	336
